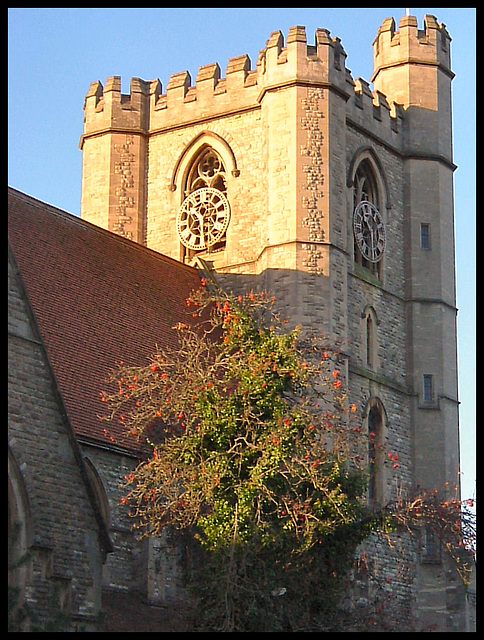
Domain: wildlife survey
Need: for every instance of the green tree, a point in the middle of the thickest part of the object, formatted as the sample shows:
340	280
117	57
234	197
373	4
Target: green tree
256	453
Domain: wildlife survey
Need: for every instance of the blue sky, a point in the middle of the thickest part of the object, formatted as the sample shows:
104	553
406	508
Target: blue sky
55	54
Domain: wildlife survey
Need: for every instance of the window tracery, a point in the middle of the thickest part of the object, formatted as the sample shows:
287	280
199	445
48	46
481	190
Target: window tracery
204	214
365	189
207	171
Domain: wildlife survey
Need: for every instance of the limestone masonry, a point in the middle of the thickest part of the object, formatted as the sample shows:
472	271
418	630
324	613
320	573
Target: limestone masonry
295	178
298	144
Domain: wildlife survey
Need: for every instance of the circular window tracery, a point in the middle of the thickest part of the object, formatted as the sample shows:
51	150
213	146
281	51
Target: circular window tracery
204	214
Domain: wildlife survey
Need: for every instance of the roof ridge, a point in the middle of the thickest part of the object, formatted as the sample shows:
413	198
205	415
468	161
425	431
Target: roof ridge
70	217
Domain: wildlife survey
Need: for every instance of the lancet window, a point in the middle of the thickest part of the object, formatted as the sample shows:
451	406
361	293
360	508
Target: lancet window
365	190
205	213
376	481
369	329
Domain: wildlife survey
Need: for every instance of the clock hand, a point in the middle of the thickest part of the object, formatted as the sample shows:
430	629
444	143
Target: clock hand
200	218
194	214
201	223
372	234
370	223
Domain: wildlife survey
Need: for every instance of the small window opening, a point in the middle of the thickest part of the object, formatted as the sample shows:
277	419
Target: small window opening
425	236
369	340
375	457
428	388
431	548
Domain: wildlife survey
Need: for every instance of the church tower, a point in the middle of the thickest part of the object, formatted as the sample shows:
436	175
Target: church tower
412	67
297	179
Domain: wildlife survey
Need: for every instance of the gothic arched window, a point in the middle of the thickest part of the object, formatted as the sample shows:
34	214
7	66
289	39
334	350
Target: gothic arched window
369	338
365	187
204	215
376	436
365	190
97	486
207	171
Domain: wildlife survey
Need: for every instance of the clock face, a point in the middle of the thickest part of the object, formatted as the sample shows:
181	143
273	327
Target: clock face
369	231
203	218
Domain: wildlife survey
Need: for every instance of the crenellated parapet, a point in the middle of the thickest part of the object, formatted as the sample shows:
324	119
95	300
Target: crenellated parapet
411	45
106	108
147	108
428	46
373	112
412	68
322	63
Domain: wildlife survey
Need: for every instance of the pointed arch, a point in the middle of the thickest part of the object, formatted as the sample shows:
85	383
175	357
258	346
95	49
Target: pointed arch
375	401
20	529
376	422
203	139
367	154
370	309
369	337
99	491
369	189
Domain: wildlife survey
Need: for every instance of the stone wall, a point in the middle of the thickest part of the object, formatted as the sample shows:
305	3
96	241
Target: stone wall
149	568
51	514
291	133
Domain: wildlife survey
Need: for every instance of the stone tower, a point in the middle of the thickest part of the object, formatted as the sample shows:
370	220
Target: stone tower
295	178
413	68
114	159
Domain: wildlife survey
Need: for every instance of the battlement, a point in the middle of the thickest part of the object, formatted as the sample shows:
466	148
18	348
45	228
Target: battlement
107	108
147	108
412	45
412	68
243	87
372	111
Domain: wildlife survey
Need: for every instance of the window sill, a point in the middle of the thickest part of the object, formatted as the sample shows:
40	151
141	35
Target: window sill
433	405
364	274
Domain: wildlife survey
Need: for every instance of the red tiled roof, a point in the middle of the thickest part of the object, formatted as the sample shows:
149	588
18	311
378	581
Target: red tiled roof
98	299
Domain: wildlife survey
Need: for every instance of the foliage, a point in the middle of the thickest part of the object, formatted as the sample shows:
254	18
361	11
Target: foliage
451	522
257	453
